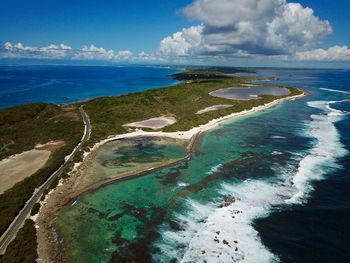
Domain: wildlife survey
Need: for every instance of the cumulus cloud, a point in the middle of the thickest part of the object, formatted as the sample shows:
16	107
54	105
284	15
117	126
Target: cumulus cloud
243	27
93	53
20	50
182	43
63	51
124	55
65	47
335	53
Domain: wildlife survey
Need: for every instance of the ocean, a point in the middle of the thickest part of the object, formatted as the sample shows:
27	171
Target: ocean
268	187
66	84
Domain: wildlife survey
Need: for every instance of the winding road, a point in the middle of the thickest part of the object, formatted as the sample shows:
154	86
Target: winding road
18	222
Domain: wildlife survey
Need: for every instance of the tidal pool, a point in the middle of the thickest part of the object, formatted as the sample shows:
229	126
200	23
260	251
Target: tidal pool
120	158
249	93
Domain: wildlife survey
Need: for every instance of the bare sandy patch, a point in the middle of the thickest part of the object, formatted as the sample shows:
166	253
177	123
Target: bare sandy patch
17	167
20	166
50	146
213	108
153	123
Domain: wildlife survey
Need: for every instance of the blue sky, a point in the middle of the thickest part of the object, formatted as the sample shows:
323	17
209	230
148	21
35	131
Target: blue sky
134	25
181	31
338	14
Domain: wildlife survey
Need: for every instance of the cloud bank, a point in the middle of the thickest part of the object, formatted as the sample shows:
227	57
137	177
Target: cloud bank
223	30
336	53
247	27
63	51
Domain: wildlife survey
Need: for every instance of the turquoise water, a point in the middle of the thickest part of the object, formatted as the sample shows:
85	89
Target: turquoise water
122	157
287	169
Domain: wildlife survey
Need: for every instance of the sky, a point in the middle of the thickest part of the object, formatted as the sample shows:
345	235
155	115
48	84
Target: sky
216	32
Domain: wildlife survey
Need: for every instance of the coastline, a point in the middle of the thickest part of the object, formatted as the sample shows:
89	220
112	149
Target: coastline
49	247
187	135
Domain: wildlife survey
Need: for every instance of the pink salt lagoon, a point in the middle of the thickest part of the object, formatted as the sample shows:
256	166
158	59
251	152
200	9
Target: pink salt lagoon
153	123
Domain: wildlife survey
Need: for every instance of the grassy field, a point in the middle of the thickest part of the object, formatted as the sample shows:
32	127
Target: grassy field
182	101
23	127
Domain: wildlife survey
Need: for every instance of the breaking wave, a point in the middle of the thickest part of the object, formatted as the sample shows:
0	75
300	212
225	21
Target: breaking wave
335	90
322	158
223	231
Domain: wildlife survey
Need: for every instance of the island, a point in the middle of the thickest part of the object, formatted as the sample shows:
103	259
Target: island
69	138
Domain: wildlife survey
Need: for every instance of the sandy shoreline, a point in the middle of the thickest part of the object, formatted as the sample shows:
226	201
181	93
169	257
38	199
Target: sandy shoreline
187	135
49	248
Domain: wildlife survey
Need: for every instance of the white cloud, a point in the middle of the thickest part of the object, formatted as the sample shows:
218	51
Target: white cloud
63	51
19	46
223	13
241	27
19	50
93	48
65	47
49	47
181	43
124	55
146	57
335	53
93	53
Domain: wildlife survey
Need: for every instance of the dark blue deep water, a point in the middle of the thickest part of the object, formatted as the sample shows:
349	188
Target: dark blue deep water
65	84
317	229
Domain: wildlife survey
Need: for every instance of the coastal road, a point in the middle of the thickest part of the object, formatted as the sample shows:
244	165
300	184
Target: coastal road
18	222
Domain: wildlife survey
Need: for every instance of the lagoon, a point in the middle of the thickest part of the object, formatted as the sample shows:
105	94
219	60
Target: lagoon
249	93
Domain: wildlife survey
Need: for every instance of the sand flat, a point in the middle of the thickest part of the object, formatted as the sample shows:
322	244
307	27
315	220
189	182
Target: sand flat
153	123
213	108
16	168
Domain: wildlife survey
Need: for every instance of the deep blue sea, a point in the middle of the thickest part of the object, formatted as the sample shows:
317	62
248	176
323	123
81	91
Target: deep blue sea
314	224
65	84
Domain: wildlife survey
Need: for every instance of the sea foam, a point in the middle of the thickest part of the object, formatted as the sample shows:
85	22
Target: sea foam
335	90
216	233
322	158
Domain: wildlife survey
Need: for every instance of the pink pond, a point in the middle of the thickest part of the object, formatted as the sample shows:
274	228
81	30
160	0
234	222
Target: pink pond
154	123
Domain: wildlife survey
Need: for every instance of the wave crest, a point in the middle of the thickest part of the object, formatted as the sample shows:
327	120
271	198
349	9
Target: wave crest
217	233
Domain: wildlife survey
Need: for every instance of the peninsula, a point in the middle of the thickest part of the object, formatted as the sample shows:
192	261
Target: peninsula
180	113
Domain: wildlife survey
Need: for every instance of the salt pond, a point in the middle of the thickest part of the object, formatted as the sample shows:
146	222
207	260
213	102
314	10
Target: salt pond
249	93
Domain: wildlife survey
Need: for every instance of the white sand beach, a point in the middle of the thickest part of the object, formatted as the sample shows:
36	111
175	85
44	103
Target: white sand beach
188	135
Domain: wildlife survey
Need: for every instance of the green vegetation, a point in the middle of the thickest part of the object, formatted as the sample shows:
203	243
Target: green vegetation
24	247
224	70
23	127
108	114
35	209
199	74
